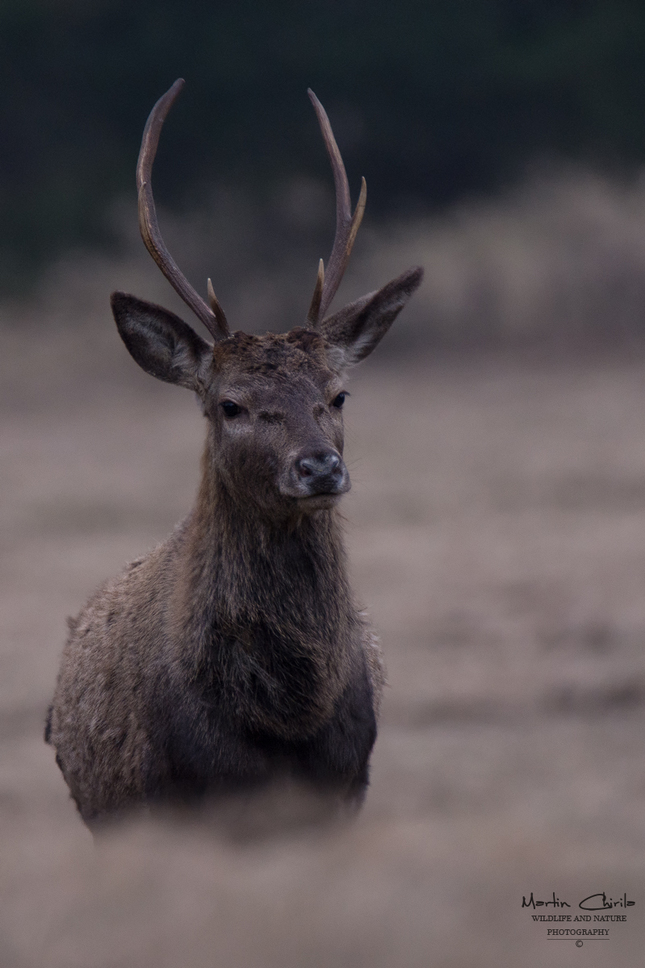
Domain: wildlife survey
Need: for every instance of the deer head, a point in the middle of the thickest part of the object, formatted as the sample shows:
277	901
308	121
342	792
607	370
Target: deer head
274	402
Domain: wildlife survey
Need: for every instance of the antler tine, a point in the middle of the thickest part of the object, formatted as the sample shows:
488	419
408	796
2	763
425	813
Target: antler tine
346	224
314	310
215	322
220	316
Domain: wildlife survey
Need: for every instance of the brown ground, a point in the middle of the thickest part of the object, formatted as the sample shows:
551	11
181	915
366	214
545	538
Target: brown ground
496	529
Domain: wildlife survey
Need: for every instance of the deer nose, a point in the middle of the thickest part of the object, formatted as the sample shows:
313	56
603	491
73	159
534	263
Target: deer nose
322	472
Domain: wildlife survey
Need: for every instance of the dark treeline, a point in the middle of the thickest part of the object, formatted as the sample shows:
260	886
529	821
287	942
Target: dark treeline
430	99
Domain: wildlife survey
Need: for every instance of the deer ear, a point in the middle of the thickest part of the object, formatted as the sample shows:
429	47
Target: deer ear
355	330
160	342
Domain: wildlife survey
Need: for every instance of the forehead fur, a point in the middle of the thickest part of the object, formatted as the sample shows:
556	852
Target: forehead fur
276	354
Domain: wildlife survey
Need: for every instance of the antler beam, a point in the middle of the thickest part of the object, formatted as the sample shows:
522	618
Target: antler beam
213	319
347	224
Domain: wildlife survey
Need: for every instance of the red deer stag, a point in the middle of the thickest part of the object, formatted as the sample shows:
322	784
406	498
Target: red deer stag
234	656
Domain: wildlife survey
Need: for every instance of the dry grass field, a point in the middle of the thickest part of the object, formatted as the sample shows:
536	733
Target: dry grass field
496	530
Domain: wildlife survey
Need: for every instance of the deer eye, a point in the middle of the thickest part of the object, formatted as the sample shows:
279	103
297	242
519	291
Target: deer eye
230	409
338	401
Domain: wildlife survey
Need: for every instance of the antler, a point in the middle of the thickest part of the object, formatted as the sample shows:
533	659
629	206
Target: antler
347	225
213	319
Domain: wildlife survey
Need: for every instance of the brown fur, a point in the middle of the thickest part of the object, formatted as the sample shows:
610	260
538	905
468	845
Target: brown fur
233	655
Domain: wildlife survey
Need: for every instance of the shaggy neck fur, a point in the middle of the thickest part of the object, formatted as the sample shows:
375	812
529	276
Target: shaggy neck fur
268	607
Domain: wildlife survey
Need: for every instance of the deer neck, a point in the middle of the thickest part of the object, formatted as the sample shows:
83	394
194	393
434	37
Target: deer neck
244	565
266	606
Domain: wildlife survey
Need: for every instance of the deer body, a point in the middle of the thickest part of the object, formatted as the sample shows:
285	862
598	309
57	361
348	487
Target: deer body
233	655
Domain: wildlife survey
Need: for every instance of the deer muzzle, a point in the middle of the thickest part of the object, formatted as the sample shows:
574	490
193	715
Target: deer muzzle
318	472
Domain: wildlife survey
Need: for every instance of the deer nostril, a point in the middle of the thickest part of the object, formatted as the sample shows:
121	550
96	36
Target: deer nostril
322	465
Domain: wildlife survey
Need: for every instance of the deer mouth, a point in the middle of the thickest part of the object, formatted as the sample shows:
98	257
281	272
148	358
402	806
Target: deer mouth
318	502
318	498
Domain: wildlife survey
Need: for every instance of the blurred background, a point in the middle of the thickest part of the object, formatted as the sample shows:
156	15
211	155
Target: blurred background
502	143
496	443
